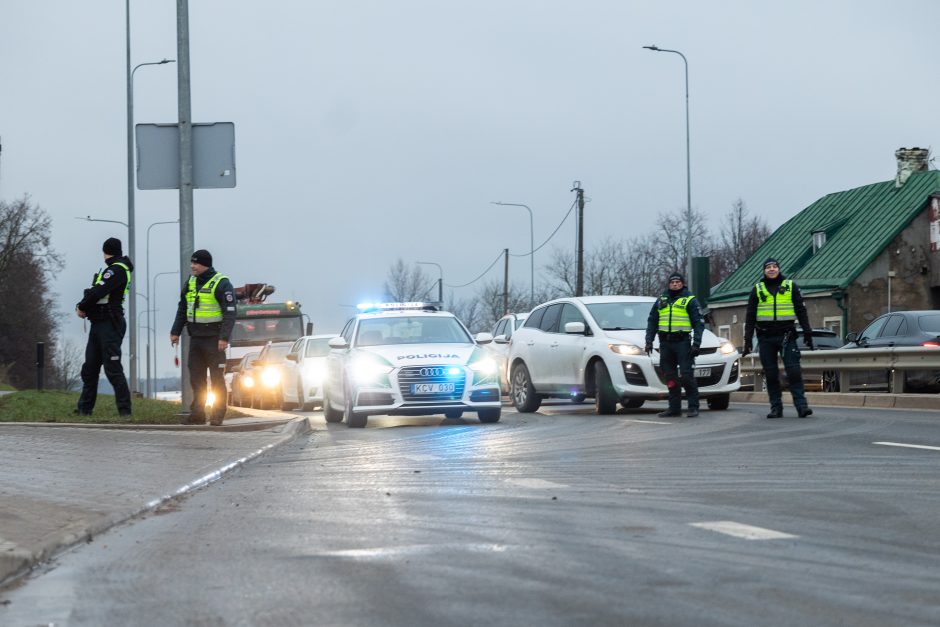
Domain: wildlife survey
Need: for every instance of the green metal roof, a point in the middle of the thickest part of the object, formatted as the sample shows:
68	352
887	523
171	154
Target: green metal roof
859	224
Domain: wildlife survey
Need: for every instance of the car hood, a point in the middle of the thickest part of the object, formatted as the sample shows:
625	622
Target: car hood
637	337
423	354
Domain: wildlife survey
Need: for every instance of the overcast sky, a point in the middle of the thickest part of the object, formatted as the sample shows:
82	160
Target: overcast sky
369	131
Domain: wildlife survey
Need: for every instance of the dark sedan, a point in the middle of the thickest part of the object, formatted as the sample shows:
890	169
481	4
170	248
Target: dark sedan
899	328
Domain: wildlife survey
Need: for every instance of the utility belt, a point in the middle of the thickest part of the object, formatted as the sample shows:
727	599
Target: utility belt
674	336
105	313
777	329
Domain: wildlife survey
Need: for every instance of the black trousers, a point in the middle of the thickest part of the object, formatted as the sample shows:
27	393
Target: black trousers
675	358
204	354
104	349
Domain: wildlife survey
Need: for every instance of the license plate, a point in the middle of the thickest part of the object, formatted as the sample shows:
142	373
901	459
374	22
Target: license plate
431	388
703	372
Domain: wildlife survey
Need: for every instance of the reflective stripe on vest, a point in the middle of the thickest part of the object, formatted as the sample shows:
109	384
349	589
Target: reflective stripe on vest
775	307
675	317
202	306
99	281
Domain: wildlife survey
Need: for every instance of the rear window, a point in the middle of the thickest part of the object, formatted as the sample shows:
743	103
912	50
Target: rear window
929	323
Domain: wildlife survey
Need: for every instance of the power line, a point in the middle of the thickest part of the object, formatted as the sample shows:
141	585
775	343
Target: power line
481	274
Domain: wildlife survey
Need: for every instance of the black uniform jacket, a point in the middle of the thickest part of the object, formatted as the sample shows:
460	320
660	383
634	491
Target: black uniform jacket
224	293
113	283
695	315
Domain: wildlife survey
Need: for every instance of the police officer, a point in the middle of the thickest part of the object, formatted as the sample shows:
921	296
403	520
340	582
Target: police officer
676	318
774	305
103	306
207	309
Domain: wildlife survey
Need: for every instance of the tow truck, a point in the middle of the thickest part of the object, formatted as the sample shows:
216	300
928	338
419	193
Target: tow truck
258	322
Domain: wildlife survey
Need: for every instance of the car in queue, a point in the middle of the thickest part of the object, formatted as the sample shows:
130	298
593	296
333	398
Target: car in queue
269	379
408	359
499	348
898	329
593	346
826	381
243	380
304	370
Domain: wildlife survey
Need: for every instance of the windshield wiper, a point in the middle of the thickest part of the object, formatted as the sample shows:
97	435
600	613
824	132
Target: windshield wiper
620	329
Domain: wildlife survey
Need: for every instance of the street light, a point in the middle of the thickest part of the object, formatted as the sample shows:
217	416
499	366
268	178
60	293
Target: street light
440	281
531	247
688	166
154	311
131	249
149	308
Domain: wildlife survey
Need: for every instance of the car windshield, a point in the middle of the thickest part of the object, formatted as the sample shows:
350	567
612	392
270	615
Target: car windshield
929	323
411	330
276	353
519	321
620	316
260	330
318	348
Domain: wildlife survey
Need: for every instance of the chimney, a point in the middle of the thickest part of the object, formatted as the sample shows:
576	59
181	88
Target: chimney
910	160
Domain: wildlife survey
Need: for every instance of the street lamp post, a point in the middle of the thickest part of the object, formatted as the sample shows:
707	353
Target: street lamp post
531	247
440	280
149	308
153	331
688	163
131	248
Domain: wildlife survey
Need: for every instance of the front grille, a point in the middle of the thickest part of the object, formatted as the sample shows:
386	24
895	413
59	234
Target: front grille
712	379
374	398
483	396
410	375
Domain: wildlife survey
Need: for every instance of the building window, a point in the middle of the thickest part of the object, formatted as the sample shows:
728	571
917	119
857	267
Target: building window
834	323
724	331
819	240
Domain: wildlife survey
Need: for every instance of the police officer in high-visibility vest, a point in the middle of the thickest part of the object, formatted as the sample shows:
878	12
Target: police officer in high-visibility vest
103	306
207	310
775	304
676	319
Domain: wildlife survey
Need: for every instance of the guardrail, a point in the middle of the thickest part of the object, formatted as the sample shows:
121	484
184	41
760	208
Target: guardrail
839	363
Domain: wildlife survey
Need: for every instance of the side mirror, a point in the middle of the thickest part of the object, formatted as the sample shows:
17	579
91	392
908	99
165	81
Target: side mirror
309	329
291	357
484	338
501	339
851	337
575	328
338	342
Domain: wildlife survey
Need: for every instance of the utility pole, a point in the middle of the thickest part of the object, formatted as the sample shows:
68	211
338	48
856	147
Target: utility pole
187	238
506	281
579	285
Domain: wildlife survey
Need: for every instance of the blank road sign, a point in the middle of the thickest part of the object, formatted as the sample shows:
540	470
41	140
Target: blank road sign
158	158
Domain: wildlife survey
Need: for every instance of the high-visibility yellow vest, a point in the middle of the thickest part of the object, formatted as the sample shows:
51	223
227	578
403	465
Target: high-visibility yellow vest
201	305
100	281
775	307
675	316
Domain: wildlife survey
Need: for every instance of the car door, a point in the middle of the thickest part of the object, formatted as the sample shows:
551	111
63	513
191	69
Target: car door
291	370
335	367
569	354
543	349
869	337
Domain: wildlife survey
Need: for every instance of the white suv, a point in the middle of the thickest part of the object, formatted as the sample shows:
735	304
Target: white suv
593	346
408	359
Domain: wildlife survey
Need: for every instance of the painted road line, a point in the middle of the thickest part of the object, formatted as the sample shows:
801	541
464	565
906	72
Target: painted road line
921	446
538	484
745	532
648	422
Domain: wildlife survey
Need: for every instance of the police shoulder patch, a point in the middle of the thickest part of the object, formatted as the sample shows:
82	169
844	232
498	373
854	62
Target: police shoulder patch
107	274
228	296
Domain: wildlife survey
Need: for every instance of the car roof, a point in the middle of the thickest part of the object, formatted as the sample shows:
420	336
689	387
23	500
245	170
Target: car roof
594	300
320	336
405	313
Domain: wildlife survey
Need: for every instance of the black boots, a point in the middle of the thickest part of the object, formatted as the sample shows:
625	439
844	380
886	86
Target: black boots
804	412
775	412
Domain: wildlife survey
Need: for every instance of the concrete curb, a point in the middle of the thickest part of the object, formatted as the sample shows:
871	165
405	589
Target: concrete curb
15	563
929	402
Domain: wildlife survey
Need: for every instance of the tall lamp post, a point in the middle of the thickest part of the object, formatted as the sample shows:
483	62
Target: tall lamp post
440	280
531	247
151	310
154	311
131	248
688	164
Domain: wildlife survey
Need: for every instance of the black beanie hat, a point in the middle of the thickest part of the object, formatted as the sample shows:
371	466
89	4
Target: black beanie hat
771	260
676	275
202	257
112	246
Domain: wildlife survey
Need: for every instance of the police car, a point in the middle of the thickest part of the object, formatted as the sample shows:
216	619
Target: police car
408	359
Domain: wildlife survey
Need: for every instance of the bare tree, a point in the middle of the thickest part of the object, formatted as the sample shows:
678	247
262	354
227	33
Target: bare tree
407	282
740	235
66	366
26	229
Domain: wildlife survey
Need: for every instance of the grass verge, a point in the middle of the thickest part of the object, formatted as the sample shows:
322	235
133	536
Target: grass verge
58	406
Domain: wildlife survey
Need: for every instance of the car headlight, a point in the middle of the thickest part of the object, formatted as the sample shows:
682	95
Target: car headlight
248	382
485	366
316	372
366	371
271	376
726	348
626	349
210	398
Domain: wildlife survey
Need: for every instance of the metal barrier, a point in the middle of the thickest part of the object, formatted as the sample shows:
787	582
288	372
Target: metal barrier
842	361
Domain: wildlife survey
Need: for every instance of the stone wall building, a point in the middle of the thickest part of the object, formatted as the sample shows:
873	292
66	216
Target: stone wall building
855	254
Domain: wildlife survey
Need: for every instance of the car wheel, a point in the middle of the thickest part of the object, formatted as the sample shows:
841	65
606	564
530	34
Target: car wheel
719	401
330	414
522	391
578	398
454	413
489	415
830	381
353	419
605	399
633	403
255	401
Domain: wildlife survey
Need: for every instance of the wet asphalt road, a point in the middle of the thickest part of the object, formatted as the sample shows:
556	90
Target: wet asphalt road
559	518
